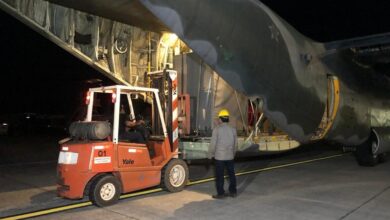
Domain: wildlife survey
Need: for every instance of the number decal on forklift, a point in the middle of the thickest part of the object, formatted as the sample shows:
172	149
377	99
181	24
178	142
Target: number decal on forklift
102	153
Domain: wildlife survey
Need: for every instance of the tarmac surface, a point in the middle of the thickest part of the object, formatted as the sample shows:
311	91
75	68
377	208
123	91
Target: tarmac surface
333	188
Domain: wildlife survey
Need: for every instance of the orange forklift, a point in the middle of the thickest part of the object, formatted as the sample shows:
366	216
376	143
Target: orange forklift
94	161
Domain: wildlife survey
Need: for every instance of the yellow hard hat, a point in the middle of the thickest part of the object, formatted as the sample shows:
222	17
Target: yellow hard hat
223	113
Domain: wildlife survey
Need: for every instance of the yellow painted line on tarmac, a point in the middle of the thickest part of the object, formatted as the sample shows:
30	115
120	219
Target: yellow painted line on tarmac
201	181
288	165
146	192
75	206
48	211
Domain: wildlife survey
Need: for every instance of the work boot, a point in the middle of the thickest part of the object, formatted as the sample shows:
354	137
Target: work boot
218	196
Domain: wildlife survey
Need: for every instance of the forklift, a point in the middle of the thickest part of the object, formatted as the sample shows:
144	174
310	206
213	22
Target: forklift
96	162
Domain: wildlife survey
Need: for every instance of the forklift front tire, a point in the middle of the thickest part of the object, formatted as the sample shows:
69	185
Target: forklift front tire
105	191
174	176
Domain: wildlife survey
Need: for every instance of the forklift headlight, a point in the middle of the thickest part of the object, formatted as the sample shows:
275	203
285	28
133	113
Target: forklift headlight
68	158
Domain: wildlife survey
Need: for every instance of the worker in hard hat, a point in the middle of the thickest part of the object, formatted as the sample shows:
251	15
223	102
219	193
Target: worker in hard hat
223	147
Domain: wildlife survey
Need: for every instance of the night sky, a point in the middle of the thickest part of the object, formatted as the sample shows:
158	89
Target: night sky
329	20
38	76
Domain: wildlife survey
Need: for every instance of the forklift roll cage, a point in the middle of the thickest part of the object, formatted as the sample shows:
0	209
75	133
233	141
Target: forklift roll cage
117	91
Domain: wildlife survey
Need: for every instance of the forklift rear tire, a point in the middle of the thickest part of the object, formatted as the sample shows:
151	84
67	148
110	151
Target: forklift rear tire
105	191
174	176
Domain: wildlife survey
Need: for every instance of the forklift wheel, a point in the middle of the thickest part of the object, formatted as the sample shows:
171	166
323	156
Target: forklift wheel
174	176
105	191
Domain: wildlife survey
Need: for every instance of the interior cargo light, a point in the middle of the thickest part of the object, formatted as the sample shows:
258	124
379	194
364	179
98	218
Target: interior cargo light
88	98
169	39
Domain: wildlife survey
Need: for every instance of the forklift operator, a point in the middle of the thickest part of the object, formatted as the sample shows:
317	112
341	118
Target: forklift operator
131	133
142	128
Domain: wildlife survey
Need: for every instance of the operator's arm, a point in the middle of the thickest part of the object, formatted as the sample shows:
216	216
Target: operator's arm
213	143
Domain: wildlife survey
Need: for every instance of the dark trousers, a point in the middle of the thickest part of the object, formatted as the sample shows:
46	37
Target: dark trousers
219	175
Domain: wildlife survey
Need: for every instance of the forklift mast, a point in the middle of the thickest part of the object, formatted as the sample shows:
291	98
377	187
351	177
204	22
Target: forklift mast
166	82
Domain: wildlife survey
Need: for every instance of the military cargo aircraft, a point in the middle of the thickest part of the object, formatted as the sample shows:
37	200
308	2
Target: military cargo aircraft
337	91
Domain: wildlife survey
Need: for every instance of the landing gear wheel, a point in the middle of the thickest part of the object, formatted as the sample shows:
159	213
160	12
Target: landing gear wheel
366	154
105	191
174	175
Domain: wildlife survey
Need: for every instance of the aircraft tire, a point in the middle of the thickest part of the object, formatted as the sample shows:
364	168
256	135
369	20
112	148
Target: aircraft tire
365	155
174	176
105	190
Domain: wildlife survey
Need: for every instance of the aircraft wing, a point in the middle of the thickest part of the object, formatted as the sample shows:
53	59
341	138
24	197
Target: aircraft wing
373	40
